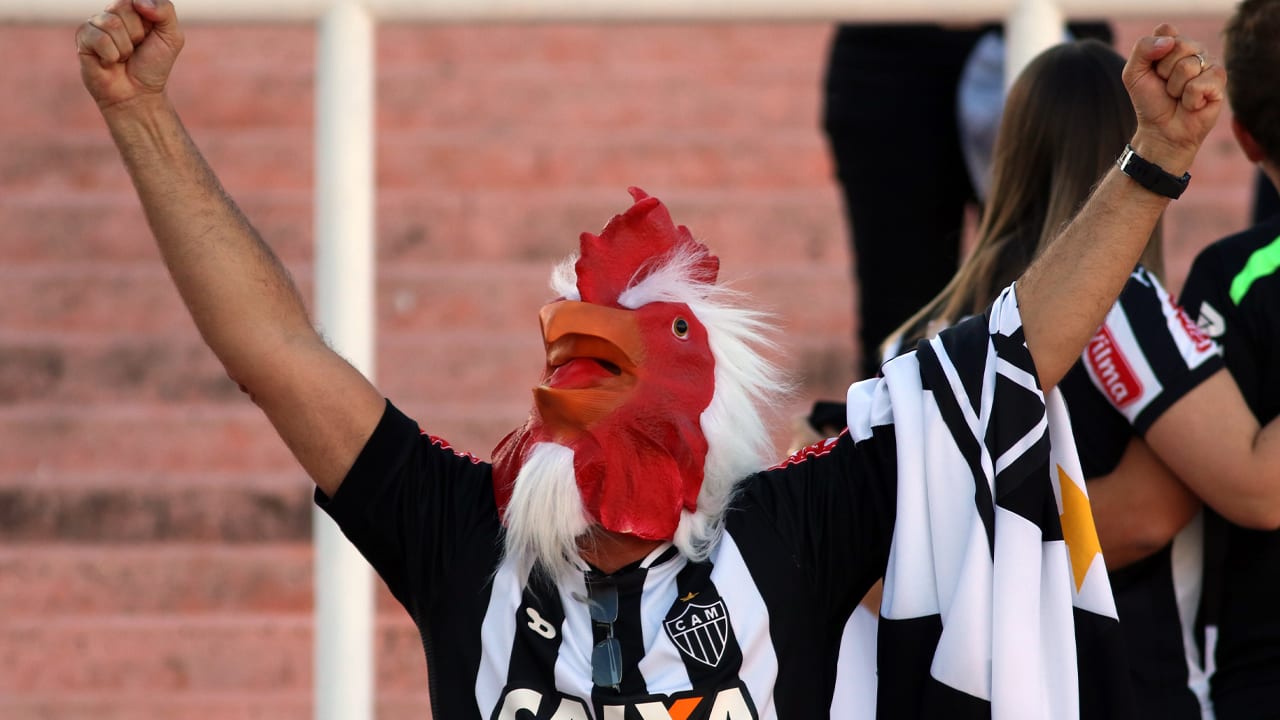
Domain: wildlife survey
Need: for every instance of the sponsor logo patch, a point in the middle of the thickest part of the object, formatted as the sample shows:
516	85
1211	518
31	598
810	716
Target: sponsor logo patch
1112	370
731	703
1211	321
701	632
1198	336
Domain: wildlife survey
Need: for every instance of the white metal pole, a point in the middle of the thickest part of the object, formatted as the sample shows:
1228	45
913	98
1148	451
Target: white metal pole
344	599
1032	27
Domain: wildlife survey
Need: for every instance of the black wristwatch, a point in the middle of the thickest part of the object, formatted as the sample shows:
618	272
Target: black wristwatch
1150	175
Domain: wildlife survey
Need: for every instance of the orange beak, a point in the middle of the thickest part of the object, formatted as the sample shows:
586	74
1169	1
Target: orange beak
593	354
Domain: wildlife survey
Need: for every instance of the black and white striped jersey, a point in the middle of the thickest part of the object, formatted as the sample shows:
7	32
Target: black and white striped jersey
751	633
1146	356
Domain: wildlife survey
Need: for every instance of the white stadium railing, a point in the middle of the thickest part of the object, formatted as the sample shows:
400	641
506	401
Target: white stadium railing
344	190
612	11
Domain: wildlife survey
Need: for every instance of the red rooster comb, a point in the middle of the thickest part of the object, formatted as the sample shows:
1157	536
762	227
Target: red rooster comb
633	245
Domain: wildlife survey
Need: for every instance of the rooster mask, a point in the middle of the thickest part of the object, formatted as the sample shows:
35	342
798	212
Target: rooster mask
629	373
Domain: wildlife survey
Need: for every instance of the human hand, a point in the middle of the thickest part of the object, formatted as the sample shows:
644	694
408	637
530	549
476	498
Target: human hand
1177	94
127	50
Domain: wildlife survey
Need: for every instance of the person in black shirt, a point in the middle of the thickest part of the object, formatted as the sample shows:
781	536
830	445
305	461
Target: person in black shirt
1148	384
1234	290
620	558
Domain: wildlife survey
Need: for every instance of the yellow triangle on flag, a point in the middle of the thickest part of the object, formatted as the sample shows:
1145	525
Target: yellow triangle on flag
1077	528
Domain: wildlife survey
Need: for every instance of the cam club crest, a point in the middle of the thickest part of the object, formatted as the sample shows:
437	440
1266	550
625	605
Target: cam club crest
701	632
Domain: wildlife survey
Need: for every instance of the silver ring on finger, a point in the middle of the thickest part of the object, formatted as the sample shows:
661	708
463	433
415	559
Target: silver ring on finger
1203	64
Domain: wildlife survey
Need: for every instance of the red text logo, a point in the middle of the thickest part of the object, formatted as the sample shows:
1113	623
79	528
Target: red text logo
1198	337
1112	370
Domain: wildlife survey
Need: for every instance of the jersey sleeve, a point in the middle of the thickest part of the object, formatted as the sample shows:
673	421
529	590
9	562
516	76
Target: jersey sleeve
409	504
1206	296
1148	353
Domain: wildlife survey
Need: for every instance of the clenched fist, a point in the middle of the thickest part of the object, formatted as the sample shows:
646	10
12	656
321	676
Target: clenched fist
127	50
1177	94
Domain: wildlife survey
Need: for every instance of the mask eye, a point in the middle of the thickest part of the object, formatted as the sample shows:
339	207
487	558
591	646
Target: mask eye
680	327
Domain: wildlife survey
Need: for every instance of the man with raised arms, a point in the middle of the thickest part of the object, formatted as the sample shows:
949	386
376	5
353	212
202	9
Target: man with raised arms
628	553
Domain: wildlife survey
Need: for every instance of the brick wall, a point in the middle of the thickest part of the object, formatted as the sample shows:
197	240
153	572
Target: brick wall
154	535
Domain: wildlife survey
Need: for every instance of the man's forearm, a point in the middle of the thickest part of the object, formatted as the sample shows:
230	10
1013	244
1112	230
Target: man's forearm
240	295
1066	293
1064	296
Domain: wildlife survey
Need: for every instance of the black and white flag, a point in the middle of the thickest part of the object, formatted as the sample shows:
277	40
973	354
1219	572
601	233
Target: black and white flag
996	598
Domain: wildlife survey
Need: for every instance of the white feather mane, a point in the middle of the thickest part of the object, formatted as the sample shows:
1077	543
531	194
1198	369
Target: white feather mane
747	384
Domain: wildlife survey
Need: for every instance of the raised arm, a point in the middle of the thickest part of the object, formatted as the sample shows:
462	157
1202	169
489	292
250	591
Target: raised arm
239	294
1065	294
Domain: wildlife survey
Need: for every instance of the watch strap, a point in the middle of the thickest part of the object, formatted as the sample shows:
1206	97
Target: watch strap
1150	175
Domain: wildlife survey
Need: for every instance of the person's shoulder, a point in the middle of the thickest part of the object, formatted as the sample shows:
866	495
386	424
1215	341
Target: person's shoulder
1142	288
1247	263
1234	251
1142	279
